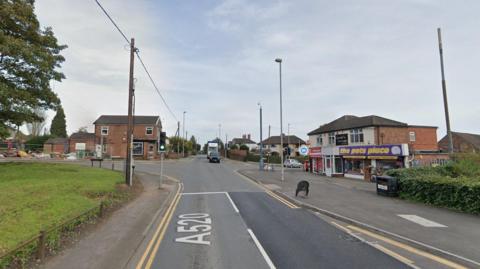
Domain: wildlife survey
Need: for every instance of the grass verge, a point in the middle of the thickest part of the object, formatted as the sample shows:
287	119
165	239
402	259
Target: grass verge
38	196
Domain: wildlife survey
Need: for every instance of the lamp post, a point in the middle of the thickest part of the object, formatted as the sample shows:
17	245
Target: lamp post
279	61
261	138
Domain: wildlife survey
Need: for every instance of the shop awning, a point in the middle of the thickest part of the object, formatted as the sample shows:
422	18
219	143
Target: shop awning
383	157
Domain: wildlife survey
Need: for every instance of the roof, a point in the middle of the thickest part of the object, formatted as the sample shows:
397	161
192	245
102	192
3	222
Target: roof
473	139
122	119
82	135
349	121
57	140
241	141
273	140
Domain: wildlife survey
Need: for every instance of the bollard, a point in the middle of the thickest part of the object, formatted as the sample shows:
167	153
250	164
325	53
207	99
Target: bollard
113	165
41	246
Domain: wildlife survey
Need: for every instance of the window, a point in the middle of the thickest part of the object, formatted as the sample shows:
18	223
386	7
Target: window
137	148
331	138
149	131
412	136
104	130
356	135
319	140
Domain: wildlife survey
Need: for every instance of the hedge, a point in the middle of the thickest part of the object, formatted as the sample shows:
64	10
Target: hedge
445	186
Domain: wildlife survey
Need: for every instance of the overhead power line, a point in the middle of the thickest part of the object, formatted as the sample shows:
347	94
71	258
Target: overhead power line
140	59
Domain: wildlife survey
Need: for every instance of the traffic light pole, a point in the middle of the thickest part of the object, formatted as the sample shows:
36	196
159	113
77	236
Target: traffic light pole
161	169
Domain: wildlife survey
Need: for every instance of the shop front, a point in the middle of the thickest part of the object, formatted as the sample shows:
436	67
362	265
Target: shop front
362	162
316	163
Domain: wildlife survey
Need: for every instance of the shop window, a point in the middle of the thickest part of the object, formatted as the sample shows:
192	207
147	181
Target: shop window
149	131
331	138
104	130
356	135
137	148
412	137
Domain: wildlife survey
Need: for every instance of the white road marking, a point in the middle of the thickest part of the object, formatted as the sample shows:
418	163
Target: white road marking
422	221
262	251
231	201
200	193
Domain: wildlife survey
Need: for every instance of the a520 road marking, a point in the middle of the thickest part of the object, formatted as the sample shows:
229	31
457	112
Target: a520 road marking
201	229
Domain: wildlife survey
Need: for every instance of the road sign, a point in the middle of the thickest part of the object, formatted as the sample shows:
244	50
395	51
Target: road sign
303	150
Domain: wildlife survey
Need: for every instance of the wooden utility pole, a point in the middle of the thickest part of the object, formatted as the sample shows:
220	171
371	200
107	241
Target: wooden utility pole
444	89
128	165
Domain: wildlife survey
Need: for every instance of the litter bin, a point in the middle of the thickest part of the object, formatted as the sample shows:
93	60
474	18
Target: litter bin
387	186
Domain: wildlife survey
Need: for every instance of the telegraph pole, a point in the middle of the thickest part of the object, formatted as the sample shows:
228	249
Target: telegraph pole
128	165
178	136
183	140
225	145
444	89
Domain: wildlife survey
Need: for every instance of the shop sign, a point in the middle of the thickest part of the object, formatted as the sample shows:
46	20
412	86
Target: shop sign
303	150
341	139
383	150
315	152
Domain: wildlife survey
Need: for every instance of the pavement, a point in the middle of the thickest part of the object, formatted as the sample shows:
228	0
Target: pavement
444	232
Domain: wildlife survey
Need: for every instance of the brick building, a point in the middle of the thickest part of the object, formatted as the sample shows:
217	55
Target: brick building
82	141
56	145
272	144
111	134
356	147
462	142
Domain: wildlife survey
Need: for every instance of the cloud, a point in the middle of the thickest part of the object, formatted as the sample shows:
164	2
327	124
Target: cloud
216	61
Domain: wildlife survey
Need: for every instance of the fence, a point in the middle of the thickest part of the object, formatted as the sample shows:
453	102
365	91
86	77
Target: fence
46	240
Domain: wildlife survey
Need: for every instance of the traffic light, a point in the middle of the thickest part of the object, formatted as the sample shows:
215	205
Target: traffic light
163	138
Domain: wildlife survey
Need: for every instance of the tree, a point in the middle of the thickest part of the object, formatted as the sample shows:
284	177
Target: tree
29	59
244	147
234	146
83	129
193	142
59	125
37	127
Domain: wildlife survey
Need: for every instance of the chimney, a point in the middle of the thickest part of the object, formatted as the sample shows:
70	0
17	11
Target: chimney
243	136
249	136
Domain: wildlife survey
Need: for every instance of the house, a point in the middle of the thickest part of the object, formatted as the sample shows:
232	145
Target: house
82	142
111	136
462	142
354	146
58	145
245	140
272	144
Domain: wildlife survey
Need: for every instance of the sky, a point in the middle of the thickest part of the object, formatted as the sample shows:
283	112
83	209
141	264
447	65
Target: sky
215	60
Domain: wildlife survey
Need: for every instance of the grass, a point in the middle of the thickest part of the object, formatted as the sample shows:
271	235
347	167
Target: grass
36	196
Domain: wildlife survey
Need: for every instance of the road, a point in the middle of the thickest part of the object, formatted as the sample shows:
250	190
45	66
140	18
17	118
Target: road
222	220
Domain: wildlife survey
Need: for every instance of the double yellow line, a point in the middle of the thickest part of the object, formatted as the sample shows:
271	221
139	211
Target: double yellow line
159	233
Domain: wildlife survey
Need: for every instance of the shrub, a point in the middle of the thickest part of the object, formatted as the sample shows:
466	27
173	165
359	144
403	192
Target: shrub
244	147
234	146
446	186
253	158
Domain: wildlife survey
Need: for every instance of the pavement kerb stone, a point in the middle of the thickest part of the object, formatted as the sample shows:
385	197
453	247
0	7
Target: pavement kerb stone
400	238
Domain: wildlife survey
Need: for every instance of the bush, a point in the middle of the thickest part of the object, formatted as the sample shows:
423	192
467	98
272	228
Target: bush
244	147
253	158
234	146
36	143
450	186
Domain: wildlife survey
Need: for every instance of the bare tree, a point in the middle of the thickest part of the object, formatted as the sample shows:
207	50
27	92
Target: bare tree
36	128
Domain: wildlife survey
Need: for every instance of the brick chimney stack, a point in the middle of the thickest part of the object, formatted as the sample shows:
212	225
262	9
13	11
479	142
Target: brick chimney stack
244	136
249	136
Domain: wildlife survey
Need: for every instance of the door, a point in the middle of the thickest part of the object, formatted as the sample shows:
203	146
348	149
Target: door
328	166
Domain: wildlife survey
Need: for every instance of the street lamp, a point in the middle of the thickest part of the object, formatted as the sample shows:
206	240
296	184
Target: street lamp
279	61
261	138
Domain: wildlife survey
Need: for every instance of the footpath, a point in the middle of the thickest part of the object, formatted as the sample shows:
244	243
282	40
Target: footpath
116	239
442	231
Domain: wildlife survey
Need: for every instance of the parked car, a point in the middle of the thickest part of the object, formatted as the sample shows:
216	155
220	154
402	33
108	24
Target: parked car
292	163
214	157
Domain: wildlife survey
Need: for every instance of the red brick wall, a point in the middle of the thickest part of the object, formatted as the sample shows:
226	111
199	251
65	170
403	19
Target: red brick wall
425	138
391	135
430	159
90	144
459	144
54	148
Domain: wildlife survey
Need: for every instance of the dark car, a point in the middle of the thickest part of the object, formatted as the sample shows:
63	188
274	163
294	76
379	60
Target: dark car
214	157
